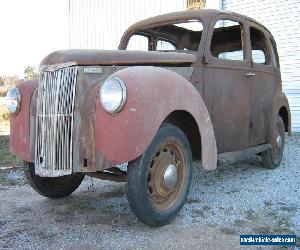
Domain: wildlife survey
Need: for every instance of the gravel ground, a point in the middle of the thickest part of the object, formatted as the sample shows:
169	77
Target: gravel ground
236	199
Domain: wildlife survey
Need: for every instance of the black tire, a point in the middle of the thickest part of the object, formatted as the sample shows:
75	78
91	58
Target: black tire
272	158
150	199
52	187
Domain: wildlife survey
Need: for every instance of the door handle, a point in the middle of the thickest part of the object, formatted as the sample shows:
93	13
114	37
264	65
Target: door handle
250	74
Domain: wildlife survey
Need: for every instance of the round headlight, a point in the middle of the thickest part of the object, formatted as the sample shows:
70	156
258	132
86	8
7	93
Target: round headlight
13	100
113	95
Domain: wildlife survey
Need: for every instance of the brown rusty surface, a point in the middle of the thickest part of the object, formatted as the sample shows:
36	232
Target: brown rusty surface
264	85
112	175
181	16
116	57
239	104
19	123
84	120
205	15
229	104
227	95
153	93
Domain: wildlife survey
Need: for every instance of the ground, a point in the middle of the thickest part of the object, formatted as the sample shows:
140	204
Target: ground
237	199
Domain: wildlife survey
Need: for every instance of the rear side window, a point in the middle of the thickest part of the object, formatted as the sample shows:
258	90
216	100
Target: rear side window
227	41
258	46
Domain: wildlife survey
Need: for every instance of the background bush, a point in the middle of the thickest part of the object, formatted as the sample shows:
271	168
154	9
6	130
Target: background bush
4	114
3	91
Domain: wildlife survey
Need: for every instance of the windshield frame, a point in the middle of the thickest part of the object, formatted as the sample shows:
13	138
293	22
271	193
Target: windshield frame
140	30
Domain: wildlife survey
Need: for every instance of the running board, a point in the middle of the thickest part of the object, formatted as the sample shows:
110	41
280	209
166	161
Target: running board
231	157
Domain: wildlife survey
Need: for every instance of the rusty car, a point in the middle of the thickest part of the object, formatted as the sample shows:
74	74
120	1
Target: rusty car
192	85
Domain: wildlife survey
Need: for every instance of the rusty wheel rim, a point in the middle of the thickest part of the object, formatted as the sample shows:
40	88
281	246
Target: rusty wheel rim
166	177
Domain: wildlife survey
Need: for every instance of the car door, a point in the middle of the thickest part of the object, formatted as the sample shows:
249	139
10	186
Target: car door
226	81
265	79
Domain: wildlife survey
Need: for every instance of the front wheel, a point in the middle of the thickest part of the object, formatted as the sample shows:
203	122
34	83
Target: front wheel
271	158
159	180
52	187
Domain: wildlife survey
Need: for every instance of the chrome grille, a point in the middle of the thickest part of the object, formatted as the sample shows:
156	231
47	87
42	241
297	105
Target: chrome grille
54	122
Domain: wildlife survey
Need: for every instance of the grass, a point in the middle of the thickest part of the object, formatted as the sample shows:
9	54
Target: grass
4	117
6	158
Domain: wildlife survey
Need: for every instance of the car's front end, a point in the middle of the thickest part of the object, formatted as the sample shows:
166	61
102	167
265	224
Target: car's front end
53	122
53	118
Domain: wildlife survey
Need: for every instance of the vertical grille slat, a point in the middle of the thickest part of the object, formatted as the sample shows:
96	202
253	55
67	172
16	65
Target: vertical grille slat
54	122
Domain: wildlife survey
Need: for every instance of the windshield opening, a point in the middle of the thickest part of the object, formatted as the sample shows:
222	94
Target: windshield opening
185	36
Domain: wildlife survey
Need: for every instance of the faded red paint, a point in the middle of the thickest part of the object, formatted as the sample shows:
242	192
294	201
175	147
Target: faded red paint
19	123
153	93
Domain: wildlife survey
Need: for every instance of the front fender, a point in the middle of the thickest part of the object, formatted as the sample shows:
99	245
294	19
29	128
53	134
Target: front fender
153	93
20	123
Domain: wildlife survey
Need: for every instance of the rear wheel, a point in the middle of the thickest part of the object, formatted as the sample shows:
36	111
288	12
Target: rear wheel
271	158
52	187
159	180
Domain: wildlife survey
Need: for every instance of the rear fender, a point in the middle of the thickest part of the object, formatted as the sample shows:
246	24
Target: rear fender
153	94
279	101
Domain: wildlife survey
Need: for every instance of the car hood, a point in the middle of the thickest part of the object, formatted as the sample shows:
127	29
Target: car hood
116	57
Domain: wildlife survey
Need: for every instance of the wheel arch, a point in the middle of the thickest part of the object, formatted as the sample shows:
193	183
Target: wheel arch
280	106
284	114
187	123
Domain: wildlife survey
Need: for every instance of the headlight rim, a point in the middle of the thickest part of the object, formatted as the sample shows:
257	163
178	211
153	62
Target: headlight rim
19	100
123	94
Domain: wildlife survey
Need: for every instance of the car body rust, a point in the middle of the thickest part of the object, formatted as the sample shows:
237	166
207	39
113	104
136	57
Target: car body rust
222	105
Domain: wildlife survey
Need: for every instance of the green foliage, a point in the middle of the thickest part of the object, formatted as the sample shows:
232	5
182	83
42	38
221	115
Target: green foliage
8	80
31	73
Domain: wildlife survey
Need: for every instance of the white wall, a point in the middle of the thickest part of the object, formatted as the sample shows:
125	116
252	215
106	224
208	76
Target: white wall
99	24
213	4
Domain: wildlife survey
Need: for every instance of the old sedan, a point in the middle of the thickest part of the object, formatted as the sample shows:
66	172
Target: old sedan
188	85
